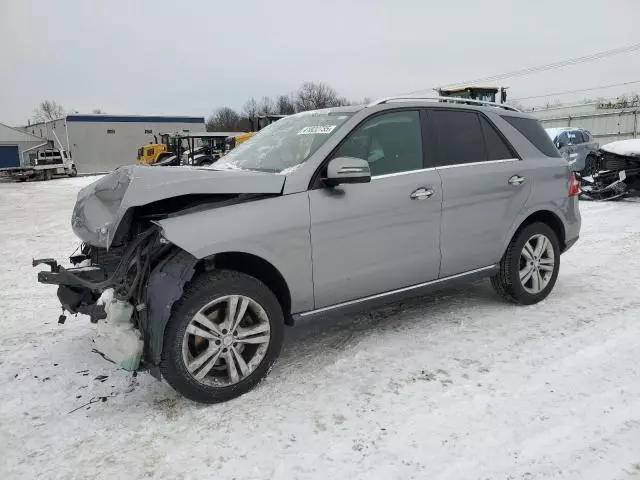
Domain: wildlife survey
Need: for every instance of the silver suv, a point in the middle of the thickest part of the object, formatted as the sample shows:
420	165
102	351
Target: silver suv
193	273
577	146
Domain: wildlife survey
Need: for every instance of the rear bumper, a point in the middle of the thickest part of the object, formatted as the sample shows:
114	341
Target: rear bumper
570	243
572	223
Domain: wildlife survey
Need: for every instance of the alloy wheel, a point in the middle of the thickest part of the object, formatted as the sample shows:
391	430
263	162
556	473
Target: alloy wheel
226	340
537	263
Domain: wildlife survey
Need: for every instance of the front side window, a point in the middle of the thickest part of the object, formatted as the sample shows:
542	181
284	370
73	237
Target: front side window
459	137
391	143
284	144
563	140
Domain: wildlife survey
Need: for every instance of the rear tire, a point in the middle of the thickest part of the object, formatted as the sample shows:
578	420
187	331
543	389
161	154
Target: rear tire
530	266
48	174
73	172
229	360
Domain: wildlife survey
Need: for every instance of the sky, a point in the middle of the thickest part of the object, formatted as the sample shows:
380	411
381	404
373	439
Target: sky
191	57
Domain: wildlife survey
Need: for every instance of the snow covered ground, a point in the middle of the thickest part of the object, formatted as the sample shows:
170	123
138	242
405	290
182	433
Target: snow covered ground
454	386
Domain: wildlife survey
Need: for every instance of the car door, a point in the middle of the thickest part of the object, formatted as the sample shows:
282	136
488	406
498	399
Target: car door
376	237
576	150
484	187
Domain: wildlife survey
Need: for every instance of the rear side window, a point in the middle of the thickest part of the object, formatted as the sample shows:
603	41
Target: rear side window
533	131
497	149
459	137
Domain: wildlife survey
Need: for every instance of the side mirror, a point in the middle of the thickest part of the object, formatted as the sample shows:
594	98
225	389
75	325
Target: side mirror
347	170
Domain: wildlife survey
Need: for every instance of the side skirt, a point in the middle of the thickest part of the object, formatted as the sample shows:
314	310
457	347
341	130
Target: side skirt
384	298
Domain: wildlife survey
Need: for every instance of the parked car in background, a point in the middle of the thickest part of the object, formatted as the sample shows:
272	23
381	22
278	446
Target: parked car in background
193	272
577	146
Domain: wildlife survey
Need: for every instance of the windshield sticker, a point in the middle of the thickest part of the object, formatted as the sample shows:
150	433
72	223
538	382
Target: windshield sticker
317	129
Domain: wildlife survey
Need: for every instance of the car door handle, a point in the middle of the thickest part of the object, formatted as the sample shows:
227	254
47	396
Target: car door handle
516	180
421	193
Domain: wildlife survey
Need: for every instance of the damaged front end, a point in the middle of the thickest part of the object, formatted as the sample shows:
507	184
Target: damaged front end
110	287
614	173
126	276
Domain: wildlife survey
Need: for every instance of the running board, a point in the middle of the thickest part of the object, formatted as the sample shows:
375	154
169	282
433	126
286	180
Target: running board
402	293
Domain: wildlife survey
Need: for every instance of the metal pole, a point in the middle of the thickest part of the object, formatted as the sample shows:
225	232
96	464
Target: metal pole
66	129
635	124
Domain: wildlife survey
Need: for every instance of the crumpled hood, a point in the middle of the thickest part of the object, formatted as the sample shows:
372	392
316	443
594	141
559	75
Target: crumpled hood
101	206
625	148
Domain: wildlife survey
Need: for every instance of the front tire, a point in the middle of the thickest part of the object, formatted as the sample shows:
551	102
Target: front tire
530	266
590	166
222	338
206	162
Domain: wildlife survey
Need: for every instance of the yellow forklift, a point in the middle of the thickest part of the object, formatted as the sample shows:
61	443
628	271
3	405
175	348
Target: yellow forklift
155	152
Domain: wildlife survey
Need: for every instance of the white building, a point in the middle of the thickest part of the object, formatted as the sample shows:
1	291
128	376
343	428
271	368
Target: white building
100	143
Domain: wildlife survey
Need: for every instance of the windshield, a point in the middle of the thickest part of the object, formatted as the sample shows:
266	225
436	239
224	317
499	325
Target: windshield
284	144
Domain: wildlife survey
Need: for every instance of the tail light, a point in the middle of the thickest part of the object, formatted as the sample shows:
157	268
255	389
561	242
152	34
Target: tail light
574	186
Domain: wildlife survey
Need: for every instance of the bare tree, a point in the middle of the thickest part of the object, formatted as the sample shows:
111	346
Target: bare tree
250	109
223	120
285	105
266	106
48	110
313	95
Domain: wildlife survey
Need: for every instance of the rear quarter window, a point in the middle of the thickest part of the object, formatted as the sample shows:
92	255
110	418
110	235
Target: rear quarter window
533	131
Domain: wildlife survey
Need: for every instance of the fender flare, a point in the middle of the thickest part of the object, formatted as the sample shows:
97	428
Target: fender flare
165	286
526	214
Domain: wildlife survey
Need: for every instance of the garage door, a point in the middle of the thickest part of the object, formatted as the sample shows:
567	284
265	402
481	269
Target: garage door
9	156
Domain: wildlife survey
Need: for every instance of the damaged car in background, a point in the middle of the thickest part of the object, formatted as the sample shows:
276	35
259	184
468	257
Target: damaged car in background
614	173
193	272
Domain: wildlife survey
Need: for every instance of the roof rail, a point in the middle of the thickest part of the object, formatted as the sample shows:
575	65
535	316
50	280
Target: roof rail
440	99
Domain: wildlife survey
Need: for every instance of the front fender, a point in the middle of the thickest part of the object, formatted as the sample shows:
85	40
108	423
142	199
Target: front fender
275	229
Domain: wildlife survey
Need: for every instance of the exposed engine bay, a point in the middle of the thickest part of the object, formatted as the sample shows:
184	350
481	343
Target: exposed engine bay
614	173
125	276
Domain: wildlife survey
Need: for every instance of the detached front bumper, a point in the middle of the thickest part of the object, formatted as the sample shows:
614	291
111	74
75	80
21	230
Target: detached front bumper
116	337
74	294
145	277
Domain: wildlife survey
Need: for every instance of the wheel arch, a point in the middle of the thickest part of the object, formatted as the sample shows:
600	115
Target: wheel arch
168	279
258	267
546	216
